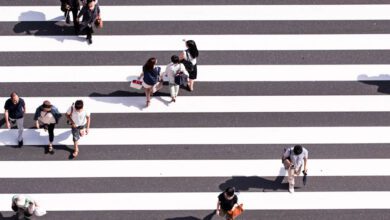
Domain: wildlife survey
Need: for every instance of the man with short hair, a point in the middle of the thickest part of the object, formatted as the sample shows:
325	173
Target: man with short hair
293	159
14	110
80	121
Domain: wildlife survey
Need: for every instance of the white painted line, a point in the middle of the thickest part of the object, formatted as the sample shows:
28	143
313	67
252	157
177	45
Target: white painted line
187	168
205	201
223	135
335	103
204	42
210	73
208	12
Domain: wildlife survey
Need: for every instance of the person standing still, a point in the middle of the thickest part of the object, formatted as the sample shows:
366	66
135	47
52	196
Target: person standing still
190	55
80	121
14	110
91	14
47	116
293	159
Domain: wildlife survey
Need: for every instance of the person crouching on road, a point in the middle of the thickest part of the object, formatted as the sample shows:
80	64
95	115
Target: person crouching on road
293	159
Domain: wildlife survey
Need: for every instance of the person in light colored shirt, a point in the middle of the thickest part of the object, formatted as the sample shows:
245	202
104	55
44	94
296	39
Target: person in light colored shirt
293	159
80	121
173	68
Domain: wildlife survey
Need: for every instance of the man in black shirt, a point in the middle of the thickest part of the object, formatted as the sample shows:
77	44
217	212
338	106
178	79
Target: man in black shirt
14	113
91	14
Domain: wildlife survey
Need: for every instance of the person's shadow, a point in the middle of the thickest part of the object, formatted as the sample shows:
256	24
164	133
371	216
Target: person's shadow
245	183
54	29
207	217
382	81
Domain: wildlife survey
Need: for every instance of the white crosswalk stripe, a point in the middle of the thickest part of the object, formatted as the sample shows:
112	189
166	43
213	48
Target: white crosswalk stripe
342	165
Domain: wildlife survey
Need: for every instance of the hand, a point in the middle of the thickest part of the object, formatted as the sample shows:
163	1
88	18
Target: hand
217	212
74	125
87	131
37	125
8	125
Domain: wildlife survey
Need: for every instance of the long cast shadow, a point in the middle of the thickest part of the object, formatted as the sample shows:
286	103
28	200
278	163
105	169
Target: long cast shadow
382	81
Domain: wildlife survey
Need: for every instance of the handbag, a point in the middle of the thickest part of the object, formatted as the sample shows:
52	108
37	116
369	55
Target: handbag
157	86
238	210
136	84
181	79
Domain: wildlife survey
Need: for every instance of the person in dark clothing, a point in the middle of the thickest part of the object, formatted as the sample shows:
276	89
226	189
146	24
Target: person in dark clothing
226	201
151	75
73	6
14	110
47	116
91	15
189	59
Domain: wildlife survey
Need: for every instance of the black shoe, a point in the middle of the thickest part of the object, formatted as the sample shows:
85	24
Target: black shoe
89	40
67	19
20	144
49	150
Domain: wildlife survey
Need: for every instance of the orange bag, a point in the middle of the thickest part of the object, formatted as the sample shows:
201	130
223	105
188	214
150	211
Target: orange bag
238	210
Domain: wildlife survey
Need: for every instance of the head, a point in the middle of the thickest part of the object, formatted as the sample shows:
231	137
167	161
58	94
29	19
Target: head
150	63
46	106
14	97
192	48
175	59
78	105
20	201
297	149
230	191
91	4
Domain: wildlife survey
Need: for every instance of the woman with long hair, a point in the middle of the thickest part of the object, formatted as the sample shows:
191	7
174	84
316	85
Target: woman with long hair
150	74
189	59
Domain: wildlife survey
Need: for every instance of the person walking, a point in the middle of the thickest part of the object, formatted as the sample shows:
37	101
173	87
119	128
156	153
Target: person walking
80	121
293	159
73	6
227	201
189	59
26	207
150	77
91	15
173	69
14	110
47	116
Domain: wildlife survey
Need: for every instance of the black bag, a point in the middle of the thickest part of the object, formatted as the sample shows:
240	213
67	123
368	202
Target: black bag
181	79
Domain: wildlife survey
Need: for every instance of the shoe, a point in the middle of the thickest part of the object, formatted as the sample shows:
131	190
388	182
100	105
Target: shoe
20	144
67	19
50	149
291	188
147	103
89	40
75	153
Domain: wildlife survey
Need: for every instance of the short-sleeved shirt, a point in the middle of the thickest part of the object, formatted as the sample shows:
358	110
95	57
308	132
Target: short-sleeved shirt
15	111
88	15
297	160
172	69
79	118
226	204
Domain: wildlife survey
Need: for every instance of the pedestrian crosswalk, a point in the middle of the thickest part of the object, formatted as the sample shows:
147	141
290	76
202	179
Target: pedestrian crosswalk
271	75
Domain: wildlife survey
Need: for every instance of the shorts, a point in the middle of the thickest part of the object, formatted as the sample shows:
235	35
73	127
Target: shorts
76	132
146	86
193	74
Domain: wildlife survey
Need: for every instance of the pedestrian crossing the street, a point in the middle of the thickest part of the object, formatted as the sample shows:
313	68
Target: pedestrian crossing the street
271	75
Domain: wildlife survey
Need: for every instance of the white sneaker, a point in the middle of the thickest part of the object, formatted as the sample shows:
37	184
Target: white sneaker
291	189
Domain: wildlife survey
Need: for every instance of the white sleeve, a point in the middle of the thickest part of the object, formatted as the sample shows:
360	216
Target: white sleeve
69	110
183	69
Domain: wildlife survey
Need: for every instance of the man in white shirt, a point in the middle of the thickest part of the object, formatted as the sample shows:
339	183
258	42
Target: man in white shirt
293	159
80	121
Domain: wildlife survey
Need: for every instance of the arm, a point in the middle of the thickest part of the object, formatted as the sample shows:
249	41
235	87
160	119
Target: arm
218	207
305	164
88	124
69	117
6	117
140	76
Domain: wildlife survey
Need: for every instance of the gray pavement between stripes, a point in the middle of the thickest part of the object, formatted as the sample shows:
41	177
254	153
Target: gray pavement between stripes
203	152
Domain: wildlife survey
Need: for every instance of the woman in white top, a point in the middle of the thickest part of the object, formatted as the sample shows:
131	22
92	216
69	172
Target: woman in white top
190	56
171	70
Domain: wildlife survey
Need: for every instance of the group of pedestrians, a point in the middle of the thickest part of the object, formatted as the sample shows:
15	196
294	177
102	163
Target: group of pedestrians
47	116
181	71
90	13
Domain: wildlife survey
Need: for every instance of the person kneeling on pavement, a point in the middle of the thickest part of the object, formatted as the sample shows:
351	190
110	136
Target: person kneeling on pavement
293	159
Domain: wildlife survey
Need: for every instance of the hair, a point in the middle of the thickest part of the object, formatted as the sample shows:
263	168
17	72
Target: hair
13	94
192	48
230	191
149	65
297	149
46	104
79	104
175	59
